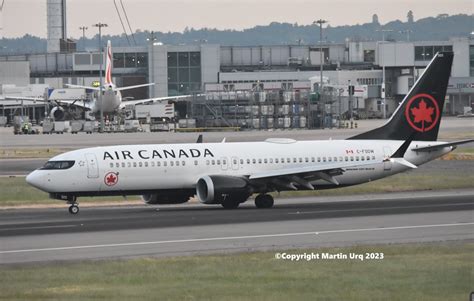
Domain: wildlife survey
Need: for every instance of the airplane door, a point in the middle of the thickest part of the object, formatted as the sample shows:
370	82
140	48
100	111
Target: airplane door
224	163
235	163
92	166
387	152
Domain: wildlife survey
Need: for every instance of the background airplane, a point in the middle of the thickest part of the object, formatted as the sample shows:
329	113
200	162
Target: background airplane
112	100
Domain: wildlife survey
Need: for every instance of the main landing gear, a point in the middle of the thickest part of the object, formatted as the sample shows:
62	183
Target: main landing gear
74	208
264	201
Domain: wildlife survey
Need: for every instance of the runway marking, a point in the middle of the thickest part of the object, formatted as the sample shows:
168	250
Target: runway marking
232	238
39	227
378	208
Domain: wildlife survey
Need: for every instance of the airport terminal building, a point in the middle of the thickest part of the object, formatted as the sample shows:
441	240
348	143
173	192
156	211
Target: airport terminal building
238	81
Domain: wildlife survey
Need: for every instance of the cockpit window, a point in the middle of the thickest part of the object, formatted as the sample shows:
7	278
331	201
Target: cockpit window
58	165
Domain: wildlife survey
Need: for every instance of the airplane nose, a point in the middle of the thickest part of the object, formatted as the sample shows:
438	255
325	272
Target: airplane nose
33	179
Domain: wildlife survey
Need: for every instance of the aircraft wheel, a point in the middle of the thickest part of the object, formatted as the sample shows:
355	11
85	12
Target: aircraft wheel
230	204
74	209
264	201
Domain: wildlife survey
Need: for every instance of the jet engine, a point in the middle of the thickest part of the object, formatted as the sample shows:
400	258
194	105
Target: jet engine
216	189
57	113
163	198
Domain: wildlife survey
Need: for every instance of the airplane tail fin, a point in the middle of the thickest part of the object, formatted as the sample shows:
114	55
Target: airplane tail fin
108	64
419	114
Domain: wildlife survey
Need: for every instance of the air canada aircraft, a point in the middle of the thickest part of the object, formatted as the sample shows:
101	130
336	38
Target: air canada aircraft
111	95
229	173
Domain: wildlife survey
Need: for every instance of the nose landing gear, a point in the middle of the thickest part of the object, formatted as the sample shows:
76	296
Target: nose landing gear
74	208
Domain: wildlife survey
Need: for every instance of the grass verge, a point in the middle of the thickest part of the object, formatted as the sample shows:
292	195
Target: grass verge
407	272
31	153
16	192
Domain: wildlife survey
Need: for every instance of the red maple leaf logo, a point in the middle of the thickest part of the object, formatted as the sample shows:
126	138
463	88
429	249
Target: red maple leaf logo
111	179
422	108
422	113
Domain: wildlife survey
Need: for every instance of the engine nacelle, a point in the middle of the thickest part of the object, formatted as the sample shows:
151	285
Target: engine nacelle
166	198
57	113
215	189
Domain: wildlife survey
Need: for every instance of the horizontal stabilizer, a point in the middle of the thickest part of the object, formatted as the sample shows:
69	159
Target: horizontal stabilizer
403	162
440	146
83	87
134	87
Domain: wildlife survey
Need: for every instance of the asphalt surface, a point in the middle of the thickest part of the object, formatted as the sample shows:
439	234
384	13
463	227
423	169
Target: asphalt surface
43	235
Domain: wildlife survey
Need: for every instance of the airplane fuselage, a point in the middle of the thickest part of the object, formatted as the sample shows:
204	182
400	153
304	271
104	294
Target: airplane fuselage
140	169
111	100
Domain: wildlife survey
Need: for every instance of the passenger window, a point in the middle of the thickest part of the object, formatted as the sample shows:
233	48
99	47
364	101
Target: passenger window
254	161
196	162
248	161
146	164
152	163
329	159
373	157
165	164
177	163
288	160
276	160
312	159
129	164
259	161
340	159
134	164
207	162
357	158
117	165
294	160
111	165
241	161
140	164
171	163
352	158
213	162
362	158
265	161
368	158
335	159
346	158
158	164
319	159
301	160
218	162
271	160
324	159
183	163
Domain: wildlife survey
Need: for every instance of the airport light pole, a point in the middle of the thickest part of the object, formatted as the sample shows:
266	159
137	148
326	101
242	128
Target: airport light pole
151	40
383	31
321	62
100	25
83	28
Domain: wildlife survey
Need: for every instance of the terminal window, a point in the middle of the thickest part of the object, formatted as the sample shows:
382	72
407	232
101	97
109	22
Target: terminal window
184	72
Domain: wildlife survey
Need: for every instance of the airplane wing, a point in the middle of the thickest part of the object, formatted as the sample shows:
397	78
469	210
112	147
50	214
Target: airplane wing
151	100
439	146
78	102
293	178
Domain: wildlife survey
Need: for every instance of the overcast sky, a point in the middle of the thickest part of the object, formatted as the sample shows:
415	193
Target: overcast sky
20	17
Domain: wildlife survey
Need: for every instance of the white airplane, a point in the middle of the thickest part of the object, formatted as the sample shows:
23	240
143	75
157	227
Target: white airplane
111	95
229	173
